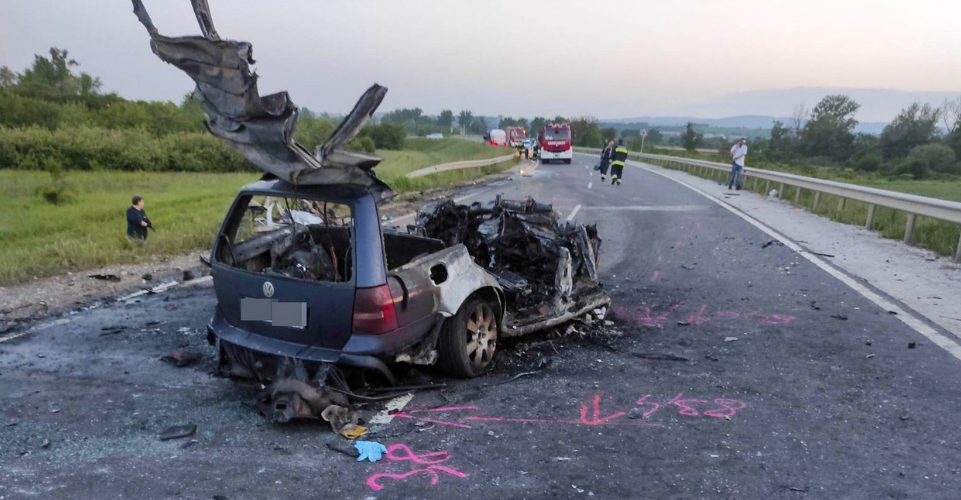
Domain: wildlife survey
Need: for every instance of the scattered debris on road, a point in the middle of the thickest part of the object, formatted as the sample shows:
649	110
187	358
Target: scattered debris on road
772	242
730	339
348	450
181	359
689	267
105	277
840	317
178	432
657	356
912	345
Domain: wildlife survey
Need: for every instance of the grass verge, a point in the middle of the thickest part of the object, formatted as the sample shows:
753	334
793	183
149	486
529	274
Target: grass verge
38	239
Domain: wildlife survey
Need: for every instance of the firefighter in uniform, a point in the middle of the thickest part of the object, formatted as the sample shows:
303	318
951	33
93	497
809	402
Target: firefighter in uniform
606	160
617	162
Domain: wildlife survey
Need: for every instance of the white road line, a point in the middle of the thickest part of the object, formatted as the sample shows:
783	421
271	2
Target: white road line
394	405
590	185
61	321
574	212
907	318
652	208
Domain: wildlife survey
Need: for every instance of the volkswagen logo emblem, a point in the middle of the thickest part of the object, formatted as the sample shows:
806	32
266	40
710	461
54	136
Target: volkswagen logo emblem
268	289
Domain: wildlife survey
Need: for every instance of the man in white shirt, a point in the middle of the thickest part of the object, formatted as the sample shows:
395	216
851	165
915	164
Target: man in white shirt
738	152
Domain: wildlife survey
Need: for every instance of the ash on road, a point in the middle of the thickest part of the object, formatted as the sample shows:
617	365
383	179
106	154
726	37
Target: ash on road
735	378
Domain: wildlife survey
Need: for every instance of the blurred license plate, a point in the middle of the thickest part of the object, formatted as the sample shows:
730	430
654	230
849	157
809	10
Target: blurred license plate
288	314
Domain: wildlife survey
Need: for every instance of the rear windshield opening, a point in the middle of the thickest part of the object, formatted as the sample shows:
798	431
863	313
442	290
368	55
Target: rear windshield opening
293	237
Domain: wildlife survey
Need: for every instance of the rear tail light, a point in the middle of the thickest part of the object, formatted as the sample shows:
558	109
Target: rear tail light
374	311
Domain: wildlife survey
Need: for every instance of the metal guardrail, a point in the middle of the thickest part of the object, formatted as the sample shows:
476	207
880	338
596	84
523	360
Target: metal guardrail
457	165
913	205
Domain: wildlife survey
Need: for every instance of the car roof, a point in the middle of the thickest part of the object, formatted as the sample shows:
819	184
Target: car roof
331	192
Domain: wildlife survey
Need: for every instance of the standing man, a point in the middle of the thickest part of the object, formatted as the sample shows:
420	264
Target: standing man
137	221
738	152
617	162
606	159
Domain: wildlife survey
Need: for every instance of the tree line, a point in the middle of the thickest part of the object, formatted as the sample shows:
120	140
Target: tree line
922	141
55	117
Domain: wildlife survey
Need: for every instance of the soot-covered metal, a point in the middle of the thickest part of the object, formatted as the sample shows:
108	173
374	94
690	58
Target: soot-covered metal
546	269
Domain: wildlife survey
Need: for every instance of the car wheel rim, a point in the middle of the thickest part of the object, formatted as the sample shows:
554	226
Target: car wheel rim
481	335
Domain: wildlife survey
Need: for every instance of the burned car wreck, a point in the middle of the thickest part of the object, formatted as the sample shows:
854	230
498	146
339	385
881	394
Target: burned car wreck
307	280
547	271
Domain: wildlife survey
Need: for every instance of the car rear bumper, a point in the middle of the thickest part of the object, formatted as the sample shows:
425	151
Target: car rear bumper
361	351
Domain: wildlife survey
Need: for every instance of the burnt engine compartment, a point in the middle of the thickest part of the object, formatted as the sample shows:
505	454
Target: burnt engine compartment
540	263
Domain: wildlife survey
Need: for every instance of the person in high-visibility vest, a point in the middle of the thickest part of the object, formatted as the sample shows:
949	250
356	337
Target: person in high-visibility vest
617	162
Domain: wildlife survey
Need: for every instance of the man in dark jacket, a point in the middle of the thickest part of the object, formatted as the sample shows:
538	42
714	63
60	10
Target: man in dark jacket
617	162
137	221
606	159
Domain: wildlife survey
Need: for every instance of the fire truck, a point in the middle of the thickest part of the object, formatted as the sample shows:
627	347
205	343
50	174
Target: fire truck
516	136
555	142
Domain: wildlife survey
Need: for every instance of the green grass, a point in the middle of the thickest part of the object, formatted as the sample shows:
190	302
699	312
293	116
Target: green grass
40	239
939	236
89	231
420	153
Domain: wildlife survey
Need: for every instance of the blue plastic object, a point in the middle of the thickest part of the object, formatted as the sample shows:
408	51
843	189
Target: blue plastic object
370	450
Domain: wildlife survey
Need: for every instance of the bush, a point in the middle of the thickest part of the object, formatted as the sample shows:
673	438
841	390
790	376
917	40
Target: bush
58	190
915	167
312	132
362	144
934	157
869	162
93	148
386	136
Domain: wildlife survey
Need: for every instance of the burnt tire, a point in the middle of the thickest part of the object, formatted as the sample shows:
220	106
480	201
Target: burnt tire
468	340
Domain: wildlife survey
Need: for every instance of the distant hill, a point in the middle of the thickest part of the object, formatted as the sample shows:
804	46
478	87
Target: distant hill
759	108
741	121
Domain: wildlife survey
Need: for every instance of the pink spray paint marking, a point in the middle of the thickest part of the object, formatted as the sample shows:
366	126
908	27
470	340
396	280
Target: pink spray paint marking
410	415
684	405
431	471
589	416
402	452
643	316
597	419
394	453
644	402
729	408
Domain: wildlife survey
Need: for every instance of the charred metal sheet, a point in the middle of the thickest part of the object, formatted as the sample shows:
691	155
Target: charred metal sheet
262	127
547	271
463	278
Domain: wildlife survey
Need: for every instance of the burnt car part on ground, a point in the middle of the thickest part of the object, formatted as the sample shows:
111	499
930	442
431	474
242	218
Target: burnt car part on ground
302	289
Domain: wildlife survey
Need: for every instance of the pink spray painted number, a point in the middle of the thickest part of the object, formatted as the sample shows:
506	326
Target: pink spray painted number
401	453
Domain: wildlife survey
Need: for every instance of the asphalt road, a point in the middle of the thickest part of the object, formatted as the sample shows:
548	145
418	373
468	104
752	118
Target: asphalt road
780	382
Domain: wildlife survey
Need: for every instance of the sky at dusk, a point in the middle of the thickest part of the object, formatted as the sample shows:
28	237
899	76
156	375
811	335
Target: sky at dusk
610	59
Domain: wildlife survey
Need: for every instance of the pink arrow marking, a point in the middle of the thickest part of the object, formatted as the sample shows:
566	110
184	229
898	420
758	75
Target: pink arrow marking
597	419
